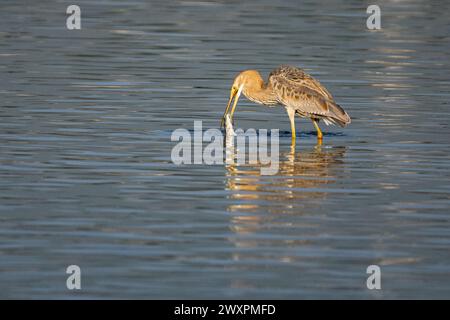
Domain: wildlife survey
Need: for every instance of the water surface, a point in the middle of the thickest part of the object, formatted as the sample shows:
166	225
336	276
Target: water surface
86	176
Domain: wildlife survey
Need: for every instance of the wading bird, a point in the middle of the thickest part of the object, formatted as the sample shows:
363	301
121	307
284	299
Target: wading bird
293	88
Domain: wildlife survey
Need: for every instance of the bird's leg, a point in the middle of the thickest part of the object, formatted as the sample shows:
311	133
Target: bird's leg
319	132
291	114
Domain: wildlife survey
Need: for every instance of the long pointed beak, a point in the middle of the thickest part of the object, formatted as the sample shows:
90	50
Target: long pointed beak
232	95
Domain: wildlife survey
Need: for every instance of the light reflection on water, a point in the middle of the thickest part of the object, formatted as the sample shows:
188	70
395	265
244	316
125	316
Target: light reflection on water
301	175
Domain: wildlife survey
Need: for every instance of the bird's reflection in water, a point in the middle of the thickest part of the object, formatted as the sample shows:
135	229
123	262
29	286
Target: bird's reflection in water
264	207
301	175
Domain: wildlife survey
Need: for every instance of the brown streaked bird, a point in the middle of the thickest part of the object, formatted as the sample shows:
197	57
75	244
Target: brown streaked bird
293	88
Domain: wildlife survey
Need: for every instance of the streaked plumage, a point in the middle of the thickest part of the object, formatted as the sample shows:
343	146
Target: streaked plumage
292	87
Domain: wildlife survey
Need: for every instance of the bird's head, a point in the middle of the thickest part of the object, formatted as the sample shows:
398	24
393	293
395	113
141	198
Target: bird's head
243	82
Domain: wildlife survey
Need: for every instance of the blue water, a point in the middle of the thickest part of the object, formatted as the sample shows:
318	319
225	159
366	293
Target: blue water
86	176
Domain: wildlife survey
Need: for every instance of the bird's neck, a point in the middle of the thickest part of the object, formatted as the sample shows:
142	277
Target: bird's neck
261	93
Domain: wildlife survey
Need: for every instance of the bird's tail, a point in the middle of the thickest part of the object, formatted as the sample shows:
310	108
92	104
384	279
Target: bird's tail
337	115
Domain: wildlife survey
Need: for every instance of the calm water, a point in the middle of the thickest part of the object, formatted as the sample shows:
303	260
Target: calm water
86	176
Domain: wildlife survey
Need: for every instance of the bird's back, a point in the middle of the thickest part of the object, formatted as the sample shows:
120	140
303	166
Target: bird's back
296	77
296	89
